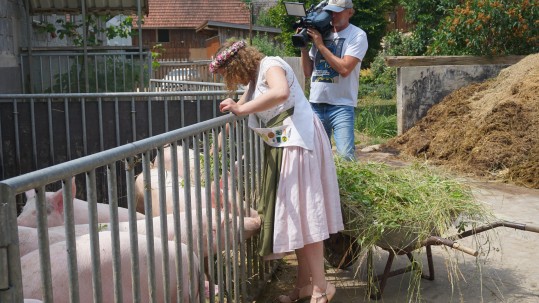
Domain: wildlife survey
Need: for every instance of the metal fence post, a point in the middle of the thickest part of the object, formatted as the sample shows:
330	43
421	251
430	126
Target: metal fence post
10	263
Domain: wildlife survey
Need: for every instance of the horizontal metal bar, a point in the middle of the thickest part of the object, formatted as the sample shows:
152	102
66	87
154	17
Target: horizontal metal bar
188	82
80	165
70	52
26	97
183	63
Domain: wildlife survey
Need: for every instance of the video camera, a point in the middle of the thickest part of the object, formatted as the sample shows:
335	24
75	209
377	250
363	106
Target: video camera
315	17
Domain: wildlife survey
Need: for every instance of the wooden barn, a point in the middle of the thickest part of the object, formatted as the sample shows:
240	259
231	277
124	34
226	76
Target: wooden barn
191	30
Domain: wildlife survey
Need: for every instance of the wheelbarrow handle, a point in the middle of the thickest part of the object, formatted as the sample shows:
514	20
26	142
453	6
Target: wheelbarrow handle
435	240
465	249
533	228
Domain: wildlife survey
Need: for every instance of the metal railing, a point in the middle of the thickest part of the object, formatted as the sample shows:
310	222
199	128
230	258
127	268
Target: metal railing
40	130
184	71
176	85
62	71
236	165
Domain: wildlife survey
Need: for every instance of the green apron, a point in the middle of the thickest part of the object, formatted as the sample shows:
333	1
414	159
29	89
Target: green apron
271	172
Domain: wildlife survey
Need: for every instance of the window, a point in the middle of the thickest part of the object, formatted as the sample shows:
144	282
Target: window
163	35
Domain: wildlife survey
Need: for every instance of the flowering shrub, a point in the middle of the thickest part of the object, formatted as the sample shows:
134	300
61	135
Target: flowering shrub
488	27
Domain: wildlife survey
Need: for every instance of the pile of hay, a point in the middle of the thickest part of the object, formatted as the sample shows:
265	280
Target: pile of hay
489	129
398	208
378	199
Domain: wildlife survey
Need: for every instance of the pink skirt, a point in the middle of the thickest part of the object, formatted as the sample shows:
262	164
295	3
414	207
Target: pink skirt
308	207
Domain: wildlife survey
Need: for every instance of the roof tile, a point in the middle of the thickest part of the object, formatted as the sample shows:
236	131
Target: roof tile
192	13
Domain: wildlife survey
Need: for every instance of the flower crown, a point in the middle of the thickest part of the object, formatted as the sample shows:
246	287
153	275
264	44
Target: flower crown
222	58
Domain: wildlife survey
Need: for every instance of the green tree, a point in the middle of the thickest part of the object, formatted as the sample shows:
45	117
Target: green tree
371	17
488	27
267	46
425	16
94	29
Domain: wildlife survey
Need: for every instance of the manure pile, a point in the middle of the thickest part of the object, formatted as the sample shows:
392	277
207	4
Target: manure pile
490	129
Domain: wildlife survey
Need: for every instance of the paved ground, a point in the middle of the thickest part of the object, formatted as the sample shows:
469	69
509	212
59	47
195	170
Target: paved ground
508	273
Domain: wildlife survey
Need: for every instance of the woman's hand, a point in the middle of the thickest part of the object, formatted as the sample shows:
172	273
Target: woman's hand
229	105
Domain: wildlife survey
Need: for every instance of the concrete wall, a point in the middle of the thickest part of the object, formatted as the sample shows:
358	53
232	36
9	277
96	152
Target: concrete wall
14	36
420	87
11	13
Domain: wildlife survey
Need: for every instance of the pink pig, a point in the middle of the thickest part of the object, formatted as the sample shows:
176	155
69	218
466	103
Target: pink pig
55	210
31	271
154	179
251	226
167	161
28	238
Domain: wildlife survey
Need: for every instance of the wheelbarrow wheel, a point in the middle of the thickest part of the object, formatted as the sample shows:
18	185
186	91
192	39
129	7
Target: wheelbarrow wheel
341	250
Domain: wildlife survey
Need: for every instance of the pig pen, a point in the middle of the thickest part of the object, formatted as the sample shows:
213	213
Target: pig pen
92	147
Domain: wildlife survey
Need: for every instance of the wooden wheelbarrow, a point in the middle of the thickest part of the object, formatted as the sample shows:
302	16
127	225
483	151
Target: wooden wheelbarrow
341	250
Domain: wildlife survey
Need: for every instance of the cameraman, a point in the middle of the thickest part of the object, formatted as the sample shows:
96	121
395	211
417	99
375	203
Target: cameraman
333	63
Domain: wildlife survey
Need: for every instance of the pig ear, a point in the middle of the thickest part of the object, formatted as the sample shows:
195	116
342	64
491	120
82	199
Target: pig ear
57	201
30	194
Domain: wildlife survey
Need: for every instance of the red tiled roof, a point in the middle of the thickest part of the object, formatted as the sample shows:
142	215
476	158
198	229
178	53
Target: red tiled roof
192	13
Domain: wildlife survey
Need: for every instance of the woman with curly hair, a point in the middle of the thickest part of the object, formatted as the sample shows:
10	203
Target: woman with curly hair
299	196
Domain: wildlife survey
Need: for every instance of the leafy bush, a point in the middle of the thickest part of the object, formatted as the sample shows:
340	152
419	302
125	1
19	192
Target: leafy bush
379	80
106	74
425	16
397	43
489	27
267	46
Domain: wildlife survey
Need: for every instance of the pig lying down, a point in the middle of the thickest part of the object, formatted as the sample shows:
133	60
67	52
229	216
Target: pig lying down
60	279
28	241
55	210
28	238
251	226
